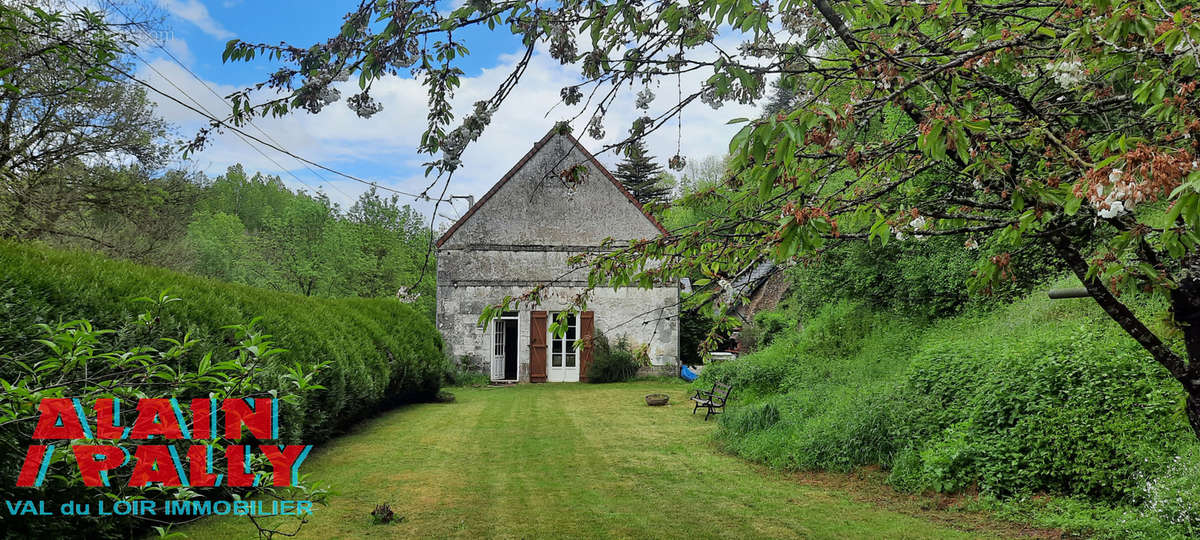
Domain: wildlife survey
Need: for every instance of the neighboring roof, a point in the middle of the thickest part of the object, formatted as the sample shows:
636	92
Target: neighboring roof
755	277
529	155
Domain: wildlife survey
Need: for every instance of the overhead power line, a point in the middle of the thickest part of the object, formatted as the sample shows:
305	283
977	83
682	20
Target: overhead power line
239	135
224	124
246	137
203	83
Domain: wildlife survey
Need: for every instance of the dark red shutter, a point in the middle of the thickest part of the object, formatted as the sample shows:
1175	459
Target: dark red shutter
587	328
537	346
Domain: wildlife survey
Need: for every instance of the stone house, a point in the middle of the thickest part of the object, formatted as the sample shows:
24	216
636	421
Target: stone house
558	200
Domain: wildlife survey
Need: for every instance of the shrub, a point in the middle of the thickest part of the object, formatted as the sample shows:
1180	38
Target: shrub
612	363
462	374
693	329
758	375
766	327
922	278
72	359
821	353
1173	495
1058	410
381	352
1038	397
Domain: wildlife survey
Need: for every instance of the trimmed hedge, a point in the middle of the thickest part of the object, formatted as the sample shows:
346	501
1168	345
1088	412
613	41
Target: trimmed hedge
381	352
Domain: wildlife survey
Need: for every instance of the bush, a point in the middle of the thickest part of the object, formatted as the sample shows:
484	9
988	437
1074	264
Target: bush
766	327
1058	410
461	374
821	353
1040	397
1173	495
381	352
921	278
612	363
74	360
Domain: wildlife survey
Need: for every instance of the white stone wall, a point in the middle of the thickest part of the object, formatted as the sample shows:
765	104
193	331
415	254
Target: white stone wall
641	316
537	208
522	235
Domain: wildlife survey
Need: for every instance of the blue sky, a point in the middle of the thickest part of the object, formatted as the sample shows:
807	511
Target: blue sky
381	149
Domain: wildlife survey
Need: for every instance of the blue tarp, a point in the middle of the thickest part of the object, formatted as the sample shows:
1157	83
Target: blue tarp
687	374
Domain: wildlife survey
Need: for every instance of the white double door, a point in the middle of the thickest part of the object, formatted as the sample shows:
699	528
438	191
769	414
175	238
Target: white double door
562	364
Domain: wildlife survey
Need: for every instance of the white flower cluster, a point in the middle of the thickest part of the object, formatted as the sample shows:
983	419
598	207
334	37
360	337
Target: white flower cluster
595	127
470	130
315	101
709	97
319	92
562	43
406	295
1067	73
763	46
1172	495
644	97
364	105
916	225
1117	200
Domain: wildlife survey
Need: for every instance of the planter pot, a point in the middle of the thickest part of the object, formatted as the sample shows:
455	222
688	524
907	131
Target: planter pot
657	400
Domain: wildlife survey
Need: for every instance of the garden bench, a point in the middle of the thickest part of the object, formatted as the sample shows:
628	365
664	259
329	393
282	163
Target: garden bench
712	399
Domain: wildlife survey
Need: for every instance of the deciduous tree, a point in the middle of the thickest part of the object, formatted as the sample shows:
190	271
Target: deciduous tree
62	112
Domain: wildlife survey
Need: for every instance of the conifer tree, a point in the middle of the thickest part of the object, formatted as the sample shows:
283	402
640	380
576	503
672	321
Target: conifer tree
782	100
641	175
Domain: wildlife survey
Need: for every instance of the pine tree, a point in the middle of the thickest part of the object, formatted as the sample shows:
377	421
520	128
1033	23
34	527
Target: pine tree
782	100
641	175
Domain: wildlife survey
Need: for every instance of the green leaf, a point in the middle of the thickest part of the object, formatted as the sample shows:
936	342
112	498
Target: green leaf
1072	206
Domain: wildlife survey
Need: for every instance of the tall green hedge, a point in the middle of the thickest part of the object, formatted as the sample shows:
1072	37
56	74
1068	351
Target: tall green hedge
381	352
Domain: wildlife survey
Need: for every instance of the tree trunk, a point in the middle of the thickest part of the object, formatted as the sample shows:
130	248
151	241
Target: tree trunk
1193	413
1185	307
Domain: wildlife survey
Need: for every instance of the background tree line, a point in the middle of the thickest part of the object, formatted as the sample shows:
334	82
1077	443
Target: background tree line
252	229
83	164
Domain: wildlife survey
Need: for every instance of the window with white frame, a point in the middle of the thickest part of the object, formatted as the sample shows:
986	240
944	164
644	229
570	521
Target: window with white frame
562	348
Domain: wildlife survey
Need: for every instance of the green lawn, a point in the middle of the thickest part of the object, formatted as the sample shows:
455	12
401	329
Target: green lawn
569	461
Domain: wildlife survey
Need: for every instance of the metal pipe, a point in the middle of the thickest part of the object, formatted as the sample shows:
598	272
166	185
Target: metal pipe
1074	292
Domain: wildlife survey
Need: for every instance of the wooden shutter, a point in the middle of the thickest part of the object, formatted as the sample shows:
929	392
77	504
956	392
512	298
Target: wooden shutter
587	328
537	346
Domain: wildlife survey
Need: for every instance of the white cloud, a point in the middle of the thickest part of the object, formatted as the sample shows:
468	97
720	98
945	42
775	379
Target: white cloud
195	12
180	49
386	142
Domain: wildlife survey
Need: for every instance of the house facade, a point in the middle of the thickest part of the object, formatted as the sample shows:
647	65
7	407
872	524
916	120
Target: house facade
557	201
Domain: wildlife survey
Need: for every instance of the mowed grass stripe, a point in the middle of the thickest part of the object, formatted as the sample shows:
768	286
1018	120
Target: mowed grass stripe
566	461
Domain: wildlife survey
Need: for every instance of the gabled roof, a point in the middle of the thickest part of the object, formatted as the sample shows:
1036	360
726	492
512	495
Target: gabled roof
529	155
